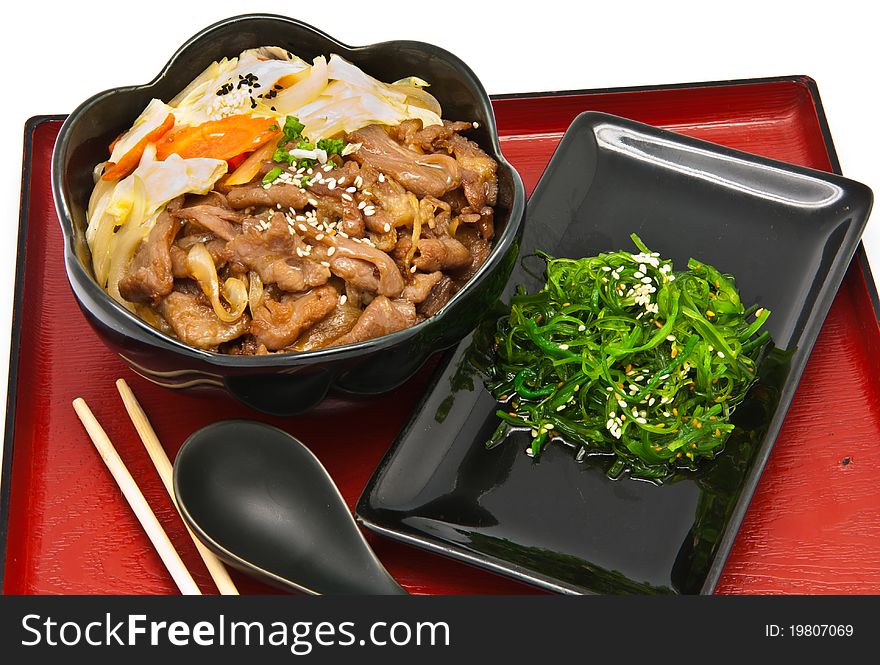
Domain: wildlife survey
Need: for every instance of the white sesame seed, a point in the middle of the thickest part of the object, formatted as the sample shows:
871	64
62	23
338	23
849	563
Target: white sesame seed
320	236
325	264
640	377
358	181
331	184
651	401
621	403
362	205
327	168
331	252
313	202
309	171
476	125
351	190
347	197
343	299
369	211
720	354
381	177
302	227
367	192
341	181
643	421
564	347
638	274
412	269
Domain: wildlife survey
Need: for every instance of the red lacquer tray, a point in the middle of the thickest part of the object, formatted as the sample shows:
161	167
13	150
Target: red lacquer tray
814	522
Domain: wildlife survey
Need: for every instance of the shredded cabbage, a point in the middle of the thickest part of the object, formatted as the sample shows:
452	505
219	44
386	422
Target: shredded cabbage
153	116
199	101
122	214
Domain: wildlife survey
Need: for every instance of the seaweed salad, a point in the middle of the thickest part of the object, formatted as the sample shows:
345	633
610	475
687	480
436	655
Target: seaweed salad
621	355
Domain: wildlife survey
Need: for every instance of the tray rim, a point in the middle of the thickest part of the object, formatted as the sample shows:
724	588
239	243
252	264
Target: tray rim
34	122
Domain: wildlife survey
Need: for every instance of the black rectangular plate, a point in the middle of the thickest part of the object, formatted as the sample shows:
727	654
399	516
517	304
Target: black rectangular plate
787	233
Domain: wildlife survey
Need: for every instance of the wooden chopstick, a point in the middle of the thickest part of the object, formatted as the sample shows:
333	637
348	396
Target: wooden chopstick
136	500
163	465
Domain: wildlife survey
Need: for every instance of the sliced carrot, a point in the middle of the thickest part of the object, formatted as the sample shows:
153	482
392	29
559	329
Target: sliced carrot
219	139
132	158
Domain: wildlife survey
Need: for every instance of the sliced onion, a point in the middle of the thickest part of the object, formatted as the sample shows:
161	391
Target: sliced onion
416	230
416	96
201	267
235	292
255	290
303	92
250	167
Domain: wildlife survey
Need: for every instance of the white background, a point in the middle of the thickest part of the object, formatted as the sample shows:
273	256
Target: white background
58	54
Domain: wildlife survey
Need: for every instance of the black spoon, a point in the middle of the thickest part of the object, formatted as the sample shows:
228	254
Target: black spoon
262	502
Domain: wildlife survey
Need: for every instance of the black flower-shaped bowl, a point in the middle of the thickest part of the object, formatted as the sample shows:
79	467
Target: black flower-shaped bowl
290	383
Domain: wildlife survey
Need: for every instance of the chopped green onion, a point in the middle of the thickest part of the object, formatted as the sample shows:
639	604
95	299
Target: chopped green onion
271	176
292	128
332	146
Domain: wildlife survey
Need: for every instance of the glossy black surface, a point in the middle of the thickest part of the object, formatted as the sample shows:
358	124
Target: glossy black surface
261	501
786	233
292	383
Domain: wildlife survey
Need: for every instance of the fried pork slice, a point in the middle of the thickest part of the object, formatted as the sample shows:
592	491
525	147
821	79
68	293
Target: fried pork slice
270	249
222	222
438	297
411	133
381	317
194	322
420	286
390	281
478	171
422	174
443	253
288	196
479	249
278	323
357	272
212	198
150	275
